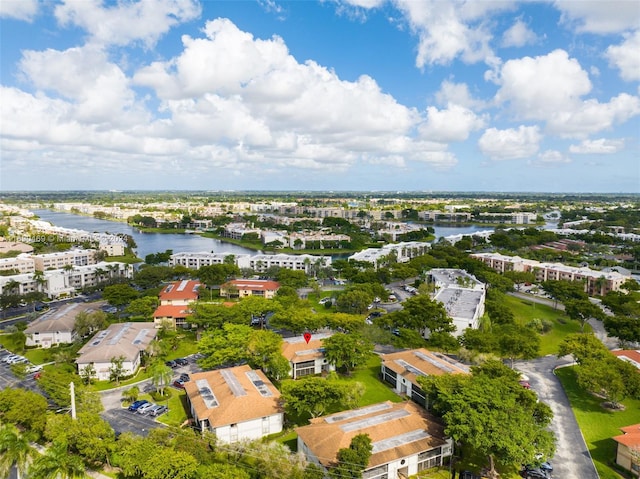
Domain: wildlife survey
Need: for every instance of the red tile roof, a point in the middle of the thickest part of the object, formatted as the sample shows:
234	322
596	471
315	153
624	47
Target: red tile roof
186	290
171	311
631	436
630	355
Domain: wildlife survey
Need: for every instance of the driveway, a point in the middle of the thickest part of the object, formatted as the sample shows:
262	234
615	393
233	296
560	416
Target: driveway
572	459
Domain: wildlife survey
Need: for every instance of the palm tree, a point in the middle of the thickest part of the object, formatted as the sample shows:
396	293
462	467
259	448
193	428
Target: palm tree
161	376
12	287
57	463
15	450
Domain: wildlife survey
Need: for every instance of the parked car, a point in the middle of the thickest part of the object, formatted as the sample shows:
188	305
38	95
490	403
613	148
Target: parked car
178	383
181	361
11	357
184	377
151	411
34	368
158	411
172	364
145	408
17	359
138	404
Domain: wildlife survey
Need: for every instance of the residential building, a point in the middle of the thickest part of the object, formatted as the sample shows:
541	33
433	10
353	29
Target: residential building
198	260
259	262
59	283
446	216
402	369
306	359
516	218
462	295
179	293
175	299
597	283
23	263
631	356
628	449
323	240
114	248
406	439
126	340
400	252
72	257
299	262
56	326
241	288
234	403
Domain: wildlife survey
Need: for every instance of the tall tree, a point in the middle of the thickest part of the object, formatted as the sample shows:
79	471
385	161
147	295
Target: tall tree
58	463
582	310
15	450
116	370
312	395
492	414
353	460
347	351
161	375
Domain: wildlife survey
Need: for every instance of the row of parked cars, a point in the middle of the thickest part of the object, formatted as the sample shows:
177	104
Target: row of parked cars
8	358
148	408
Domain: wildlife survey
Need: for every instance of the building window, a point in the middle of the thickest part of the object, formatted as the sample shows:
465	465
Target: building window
380	472
304	369
429	459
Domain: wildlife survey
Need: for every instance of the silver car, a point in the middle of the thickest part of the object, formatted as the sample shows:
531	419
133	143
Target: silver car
145	408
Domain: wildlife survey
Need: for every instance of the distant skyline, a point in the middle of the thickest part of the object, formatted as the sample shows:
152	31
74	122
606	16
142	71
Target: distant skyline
332	95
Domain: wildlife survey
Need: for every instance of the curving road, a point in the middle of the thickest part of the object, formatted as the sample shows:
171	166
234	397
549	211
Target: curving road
572	459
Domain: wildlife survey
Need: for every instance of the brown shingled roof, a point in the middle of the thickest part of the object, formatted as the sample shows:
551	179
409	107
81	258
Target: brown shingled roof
232	409
291	351
436	367
325	435
631	436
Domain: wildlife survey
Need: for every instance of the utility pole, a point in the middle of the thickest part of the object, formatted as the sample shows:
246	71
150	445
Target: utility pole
73	400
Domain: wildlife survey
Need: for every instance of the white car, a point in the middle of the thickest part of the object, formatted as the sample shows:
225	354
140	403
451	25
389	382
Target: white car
18	359
145	408
34	368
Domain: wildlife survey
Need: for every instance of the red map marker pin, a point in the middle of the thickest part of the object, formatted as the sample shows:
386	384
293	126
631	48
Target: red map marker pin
307	337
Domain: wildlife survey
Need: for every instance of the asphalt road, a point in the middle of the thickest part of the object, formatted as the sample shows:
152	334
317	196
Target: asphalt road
572	459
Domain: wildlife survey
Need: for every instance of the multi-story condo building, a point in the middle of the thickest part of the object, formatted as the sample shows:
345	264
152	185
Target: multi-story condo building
259	263
402	252
65	282
462	295
23	263
596	283
72	257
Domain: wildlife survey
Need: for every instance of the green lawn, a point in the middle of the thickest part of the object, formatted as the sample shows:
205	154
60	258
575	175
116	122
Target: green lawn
177	413
141	375
598	425
375	390
524	311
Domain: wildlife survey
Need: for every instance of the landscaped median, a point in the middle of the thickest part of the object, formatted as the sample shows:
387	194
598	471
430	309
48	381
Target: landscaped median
598	424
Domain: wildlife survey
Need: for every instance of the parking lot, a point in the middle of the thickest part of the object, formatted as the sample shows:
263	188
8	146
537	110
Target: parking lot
123	420
8	380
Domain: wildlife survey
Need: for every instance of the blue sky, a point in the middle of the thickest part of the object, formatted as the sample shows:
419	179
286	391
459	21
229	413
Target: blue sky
331	95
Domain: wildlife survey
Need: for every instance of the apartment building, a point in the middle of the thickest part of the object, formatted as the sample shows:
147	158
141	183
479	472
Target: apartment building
597	283
406	439
59	283
72	257
175	299
306	358
241	288
235	403
23	263
402	253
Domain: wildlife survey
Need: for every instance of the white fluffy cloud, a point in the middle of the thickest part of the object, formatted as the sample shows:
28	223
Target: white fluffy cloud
551	157
451	124
447	30
126	22
19	9
601	146
550	88
510	144
626	57
613	16
518	35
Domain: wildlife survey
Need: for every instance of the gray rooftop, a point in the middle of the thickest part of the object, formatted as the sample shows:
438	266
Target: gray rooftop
60	319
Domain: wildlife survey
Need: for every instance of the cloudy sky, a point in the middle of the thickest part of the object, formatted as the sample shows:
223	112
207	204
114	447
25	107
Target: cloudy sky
320	95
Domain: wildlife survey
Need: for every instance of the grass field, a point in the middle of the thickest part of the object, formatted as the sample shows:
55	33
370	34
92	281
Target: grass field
525	311
375	390
598	425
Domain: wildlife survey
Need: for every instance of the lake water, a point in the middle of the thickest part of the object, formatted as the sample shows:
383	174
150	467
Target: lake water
146	242
193	243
